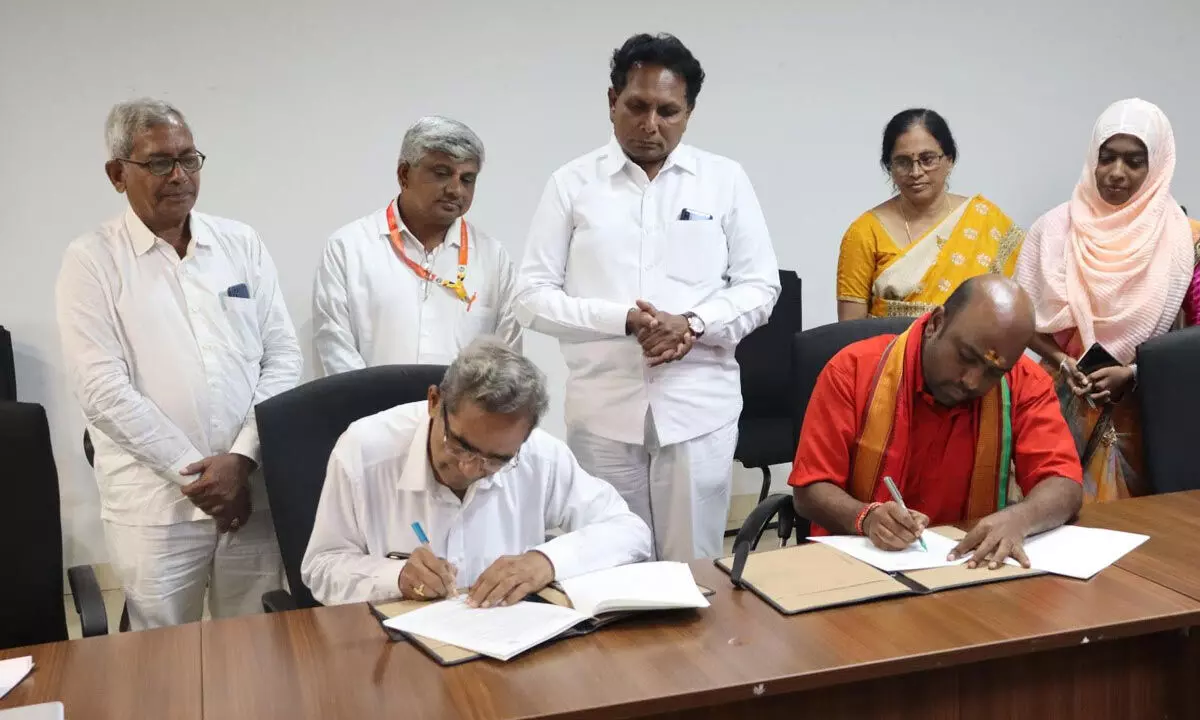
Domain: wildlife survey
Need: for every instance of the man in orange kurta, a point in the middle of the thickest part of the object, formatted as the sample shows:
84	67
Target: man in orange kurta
945	410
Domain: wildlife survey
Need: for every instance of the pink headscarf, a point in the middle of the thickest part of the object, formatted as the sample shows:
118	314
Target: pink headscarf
1117	274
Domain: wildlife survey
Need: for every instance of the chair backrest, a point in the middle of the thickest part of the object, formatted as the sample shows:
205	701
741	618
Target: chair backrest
32	610
298	430
1170	396
765	355
816	347
8	373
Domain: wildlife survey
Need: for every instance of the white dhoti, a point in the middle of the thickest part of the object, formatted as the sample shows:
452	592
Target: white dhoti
681	490
165	570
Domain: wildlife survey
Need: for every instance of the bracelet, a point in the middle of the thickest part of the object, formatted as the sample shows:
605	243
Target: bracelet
1063	368
862	516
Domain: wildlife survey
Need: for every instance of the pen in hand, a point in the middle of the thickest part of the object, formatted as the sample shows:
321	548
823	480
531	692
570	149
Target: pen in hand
451	585
891	486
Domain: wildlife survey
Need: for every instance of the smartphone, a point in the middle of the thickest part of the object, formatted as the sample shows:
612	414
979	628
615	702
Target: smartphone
1095	359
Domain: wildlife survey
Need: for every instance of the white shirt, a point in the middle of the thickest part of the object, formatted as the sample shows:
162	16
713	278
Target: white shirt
379	482
605	236
369	308
165	363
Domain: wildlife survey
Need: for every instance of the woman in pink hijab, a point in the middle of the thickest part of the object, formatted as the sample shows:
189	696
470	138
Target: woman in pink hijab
1110	267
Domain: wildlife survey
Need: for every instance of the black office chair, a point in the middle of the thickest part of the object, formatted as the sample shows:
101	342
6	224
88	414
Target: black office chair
1169	395
765	357
813	350
8	373
298	429
31	527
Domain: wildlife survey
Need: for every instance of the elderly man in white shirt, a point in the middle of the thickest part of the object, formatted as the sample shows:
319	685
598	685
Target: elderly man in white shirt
173	328
414	282
484	483
650	260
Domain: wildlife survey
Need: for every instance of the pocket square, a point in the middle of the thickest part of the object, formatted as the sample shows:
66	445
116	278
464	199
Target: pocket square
238	291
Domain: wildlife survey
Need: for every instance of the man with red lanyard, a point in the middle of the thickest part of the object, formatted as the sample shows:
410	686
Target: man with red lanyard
951	410
414	282
650	260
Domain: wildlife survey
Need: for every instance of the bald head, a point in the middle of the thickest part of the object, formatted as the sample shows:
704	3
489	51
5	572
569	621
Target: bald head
997	298
975	338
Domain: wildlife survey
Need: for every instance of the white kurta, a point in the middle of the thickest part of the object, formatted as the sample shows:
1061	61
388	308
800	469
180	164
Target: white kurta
370	308
168	357
605	236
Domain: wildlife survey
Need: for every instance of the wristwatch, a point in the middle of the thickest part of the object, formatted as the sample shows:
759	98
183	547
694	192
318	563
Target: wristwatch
695	324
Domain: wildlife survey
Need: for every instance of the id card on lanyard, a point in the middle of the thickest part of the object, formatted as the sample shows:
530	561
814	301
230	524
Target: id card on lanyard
455	286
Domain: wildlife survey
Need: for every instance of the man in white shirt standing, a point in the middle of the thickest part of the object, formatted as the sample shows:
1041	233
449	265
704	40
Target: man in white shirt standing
173	328
484	483
650	260
414	282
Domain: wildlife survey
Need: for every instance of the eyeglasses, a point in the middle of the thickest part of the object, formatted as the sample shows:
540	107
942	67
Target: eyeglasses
927	161
462	451
163	166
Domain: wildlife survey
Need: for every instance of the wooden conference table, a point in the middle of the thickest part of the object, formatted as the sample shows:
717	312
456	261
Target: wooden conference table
1036	647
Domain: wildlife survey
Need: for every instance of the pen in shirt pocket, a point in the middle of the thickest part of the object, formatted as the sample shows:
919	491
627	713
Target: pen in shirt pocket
689	214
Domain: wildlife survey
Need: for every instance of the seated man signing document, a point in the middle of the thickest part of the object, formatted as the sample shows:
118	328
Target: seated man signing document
485	484
943	409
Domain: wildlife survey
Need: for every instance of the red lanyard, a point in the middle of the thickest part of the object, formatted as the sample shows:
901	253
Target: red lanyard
456	286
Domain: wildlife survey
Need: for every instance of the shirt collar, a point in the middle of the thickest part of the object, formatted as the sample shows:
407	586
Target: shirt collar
615	159
453	234
417	474
143	238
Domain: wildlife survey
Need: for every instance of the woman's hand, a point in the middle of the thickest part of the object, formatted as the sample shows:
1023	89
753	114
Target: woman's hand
1109	384
1077	381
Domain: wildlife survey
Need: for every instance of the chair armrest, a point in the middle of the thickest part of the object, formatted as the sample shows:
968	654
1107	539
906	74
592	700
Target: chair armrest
755	525
89	601
278	601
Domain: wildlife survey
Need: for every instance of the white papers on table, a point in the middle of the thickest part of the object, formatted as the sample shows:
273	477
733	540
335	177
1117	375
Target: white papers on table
44	711
498	632
1070	550
505	632
640	586
14	671
1079	552
911	558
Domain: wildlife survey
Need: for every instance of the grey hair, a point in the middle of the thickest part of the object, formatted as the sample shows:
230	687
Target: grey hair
434	133
131	117
498	378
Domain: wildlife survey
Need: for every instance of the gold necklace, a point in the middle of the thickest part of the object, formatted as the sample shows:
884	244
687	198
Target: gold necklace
907	232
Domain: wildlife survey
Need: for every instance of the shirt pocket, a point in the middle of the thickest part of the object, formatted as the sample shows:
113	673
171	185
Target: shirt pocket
697	252
479	320
241	324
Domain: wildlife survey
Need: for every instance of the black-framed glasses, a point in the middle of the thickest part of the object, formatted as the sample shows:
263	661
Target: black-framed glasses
163	166
927	161
462	451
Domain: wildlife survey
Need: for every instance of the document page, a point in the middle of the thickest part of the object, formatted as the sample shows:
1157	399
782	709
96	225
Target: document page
1079	552
639	586
13	671
911	558
499	632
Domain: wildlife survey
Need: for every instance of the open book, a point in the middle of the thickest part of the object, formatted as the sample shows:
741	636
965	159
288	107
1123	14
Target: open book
505	632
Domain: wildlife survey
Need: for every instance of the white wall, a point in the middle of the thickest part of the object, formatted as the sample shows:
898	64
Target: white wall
301	106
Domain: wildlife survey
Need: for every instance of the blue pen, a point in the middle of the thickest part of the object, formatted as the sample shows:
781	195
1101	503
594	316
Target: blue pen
424	540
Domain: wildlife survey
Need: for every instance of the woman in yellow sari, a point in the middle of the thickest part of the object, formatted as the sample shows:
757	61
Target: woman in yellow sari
906	255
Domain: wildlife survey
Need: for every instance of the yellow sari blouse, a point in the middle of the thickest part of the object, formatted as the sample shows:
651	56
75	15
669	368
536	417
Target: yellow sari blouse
976	238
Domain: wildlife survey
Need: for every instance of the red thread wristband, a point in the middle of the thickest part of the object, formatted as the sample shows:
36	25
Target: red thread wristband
862	516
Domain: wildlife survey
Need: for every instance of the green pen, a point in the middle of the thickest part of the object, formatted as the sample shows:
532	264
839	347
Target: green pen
891	486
